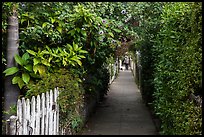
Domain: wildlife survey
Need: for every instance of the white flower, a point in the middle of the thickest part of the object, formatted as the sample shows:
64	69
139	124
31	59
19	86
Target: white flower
104	21
83	28
101	32
123	11
113	41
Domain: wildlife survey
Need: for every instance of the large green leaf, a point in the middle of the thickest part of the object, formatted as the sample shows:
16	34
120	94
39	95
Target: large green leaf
35	68
83	51
28	67
52	20
45	52
20	83
25	56
75	46
76	59
26	77
16	79
22	20
64	62
45	62
45	24
111	34
83	33
79	62
59	29
69	47
19	60
39	68
11	71
117	30
50	58
81	56
31	52
36	61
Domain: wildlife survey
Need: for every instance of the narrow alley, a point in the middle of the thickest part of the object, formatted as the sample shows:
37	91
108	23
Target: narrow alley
122	112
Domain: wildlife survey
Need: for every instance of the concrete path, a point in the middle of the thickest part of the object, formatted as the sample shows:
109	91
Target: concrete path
122	112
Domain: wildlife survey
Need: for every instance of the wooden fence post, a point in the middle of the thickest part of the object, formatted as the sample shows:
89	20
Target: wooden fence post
47	114
11	125
38	114
19	117
43	114
33	115
24	120
50	114
28	117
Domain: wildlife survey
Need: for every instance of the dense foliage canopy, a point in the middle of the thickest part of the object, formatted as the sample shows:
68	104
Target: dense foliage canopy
78	40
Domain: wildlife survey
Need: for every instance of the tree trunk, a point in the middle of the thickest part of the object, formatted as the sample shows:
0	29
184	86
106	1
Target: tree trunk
11	92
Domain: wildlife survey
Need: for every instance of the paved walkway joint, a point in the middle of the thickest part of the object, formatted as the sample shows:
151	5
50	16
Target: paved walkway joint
122	112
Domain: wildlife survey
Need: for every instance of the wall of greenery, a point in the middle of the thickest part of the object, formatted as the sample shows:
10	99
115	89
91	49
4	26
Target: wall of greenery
178	68
170	41
148	14
75	41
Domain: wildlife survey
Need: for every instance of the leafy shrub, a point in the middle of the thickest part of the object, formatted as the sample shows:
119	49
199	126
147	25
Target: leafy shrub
103	75
70	97
97	82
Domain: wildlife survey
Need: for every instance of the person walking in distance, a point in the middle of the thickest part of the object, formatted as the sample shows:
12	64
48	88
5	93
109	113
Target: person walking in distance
126	62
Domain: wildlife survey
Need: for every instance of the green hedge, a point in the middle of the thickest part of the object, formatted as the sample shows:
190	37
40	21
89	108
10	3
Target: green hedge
178	69
149	14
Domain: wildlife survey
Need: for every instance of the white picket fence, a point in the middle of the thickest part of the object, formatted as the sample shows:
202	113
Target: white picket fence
115	71
40	116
